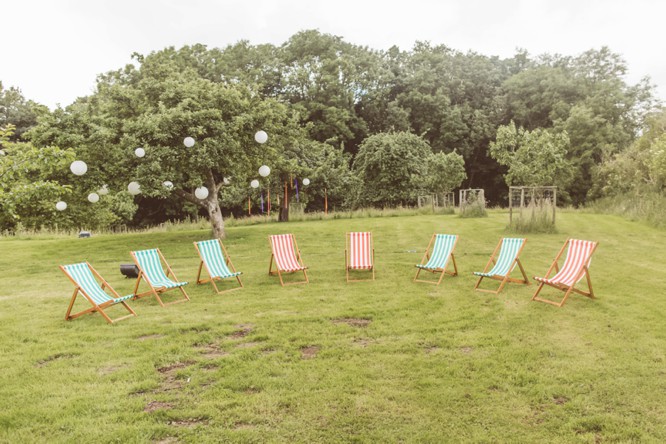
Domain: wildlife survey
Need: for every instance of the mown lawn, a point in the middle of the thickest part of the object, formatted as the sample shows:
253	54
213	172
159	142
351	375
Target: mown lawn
383	361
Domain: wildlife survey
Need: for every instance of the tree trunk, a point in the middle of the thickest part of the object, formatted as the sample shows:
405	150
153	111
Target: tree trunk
284	209
215	216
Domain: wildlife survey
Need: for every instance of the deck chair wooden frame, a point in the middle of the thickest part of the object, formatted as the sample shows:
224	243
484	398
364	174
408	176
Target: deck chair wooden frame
103	299
442	270
288	259
156	290
225	262
503	278
576	273
370	254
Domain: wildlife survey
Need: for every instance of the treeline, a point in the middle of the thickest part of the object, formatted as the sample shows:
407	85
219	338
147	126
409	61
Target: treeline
352	119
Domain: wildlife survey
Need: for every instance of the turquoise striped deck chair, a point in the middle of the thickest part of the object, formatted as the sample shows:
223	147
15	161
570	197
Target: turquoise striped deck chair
503	264
151	271
87	282
438	258
215	259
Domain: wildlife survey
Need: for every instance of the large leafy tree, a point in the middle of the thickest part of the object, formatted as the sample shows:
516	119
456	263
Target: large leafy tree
18	111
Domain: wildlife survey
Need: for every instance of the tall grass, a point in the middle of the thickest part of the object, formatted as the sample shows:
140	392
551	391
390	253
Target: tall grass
536	217
647	206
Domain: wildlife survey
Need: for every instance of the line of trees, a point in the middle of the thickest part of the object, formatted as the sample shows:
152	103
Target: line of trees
369	127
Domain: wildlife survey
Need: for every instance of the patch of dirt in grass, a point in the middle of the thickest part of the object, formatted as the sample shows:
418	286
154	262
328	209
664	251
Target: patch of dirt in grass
153	336
309	352
213	351
170	381
157	405
175	366
188	422
267	351
432	349
243	330
363	342
57	356
560	400
167	440
209	366
353	322
252	390
247	344
466	350
104	371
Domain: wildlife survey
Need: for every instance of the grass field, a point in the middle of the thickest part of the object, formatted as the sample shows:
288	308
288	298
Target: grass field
383	361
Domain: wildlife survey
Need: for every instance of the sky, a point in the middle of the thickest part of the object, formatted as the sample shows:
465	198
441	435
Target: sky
53	50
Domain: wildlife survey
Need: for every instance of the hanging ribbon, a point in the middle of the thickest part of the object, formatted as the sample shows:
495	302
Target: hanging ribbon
296	185
262	202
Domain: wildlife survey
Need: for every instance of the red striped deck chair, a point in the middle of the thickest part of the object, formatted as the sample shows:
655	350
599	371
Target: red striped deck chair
575	267
438	258
87	282
287	256
359	254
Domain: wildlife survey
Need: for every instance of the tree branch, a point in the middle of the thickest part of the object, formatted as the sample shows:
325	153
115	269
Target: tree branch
189	197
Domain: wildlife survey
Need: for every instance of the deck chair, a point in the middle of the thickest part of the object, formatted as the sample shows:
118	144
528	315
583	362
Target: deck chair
359	254
503	264
438	259
85	279
217	262
287	256
151	271
576	265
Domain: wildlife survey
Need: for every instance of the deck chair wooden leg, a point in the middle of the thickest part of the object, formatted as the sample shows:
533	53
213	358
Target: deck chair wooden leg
239	281
442	275
536	293
307	281
108	319
199	272
589	283
418	271
182	290
71	304
270	266
478	282
455	267
566	296
128	308
504	281
522	270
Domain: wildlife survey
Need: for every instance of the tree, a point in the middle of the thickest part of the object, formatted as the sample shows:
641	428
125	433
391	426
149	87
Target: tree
17	111
445	172
533	158
392	167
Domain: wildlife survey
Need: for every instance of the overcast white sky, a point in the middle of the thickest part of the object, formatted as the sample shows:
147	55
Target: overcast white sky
54	49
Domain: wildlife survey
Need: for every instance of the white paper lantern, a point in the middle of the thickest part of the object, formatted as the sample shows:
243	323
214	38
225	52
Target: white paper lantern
78	167
254	183
201	193
167	184
104	190
139	152
2	152
93	197
226	181
261	136
306	181
264	171
134	188
61	206
189	142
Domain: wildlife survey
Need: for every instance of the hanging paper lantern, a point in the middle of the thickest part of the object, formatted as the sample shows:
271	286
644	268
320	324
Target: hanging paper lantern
261	136
93	197
61	206
264	170
188	142
104	190
201	193
254	183
134	188
306	181
167	184
78	167
226	181
139	152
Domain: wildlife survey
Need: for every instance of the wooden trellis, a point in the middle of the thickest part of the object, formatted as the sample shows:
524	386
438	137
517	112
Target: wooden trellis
471	196
528	201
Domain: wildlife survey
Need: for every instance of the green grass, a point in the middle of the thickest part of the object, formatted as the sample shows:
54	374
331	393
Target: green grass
272	364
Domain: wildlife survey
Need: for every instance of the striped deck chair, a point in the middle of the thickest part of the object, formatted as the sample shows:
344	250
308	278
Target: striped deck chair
576	265
217	262
151	271
503	264
438	260
287	256
359	254
85	279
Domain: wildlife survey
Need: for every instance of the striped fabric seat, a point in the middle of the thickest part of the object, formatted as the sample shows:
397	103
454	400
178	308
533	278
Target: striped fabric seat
507	255
503	260
215	259
149	262
574	268
438	260
287	257
87	283
360	251
151	271
441	251
579	255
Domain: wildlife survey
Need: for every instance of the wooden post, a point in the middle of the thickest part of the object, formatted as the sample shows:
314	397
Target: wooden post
554	203
325	201
284	209
268	192
249	207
